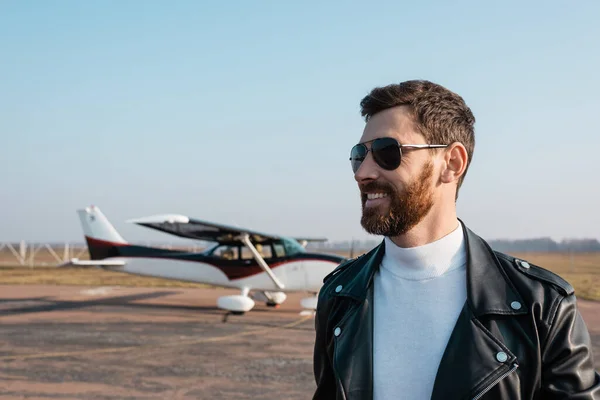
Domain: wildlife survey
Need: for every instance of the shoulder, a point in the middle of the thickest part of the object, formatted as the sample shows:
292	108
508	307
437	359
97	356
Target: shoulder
340	268
345	273
334	276
535	275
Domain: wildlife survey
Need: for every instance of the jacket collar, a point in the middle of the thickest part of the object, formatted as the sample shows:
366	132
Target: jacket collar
489	290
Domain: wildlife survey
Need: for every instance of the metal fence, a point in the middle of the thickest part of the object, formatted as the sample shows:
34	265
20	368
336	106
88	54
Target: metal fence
50	254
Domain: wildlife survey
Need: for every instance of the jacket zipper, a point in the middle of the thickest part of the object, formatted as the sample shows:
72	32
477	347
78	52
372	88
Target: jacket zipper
491	385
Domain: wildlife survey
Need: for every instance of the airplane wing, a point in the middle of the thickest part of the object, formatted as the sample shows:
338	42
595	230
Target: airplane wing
182	226
92	263
304	241
308	239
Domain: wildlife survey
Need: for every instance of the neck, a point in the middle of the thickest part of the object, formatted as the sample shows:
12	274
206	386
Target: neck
433	227
425	262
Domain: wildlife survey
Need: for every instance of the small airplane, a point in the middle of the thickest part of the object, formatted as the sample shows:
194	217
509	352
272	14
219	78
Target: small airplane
270	265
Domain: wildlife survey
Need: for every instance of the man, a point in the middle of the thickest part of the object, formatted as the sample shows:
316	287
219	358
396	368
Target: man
433	312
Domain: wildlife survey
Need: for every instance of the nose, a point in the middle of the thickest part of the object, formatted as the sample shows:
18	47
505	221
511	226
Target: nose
368	170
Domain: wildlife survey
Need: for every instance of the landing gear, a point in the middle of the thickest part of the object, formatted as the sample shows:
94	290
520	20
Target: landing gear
236	304
272	304
271	299
228	313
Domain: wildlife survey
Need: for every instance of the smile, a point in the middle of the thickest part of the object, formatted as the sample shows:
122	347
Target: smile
373	196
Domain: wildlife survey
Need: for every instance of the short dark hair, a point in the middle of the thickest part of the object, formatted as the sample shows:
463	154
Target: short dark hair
440	115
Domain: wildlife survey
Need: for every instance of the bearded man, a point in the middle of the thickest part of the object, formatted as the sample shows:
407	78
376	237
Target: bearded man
433	312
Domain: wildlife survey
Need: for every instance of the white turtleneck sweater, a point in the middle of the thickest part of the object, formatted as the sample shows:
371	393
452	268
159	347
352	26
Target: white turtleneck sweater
419	293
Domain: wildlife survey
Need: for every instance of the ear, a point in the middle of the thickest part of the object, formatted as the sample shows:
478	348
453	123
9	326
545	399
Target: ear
455	163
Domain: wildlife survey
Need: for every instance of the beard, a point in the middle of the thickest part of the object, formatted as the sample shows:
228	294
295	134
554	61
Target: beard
405	209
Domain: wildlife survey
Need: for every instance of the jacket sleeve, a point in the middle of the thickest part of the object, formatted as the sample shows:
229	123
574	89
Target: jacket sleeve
323	370
567	360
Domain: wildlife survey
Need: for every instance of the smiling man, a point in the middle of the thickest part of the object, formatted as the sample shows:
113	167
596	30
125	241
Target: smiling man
433	312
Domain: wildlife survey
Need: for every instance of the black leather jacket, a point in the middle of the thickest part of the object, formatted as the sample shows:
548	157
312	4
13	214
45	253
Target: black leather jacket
519	335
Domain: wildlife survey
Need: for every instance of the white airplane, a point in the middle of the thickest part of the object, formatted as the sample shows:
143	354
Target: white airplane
270	265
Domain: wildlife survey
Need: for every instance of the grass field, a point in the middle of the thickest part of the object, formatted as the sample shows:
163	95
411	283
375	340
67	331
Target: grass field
83	277
582	270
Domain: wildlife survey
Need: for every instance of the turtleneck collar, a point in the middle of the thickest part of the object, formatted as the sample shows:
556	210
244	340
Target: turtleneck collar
428	261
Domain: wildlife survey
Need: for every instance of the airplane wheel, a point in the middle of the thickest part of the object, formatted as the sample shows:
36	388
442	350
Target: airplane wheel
228	313
272	304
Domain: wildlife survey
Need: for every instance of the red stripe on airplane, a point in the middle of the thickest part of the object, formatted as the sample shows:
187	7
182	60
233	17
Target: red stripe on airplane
103	243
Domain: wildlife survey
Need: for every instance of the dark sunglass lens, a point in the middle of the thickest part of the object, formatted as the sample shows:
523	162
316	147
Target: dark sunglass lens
386	153
357	156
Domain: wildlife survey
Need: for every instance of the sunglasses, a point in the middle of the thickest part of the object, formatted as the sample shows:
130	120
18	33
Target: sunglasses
387	152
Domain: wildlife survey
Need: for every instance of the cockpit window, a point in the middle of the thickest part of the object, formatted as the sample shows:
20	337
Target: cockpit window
284	247
279	250
226	252
263	250
292	247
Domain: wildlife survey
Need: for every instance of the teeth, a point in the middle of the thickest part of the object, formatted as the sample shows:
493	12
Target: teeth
372	196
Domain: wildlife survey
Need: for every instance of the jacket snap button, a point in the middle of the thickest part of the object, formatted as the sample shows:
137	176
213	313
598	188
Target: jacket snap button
501	356
338	289
337	331
515	305
525	264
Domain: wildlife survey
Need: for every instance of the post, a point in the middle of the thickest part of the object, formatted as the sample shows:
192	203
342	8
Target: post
23	251
66	252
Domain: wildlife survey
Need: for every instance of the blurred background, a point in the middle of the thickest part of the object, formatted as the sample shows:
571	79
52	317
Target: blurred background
244	113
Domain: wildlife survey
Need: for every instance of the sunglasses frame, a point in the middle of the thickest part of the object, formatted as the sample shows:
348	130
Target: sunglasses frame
398	144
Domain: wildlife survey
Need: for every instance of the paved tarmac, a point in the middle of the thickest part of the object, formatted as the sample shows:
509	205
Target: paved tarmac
72	342
131	343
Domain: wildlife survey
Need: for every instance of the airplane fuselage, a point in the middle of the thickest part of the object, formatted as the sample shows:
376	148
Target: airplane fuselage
300	272
297	275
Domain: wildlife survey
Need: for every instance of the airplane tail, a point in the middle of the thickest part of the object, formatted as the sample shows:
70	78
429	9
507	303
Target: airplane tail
102	238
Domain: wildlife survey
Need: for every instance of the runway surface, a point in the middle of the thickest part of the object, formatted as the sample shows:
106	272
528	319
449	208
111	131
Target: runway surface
72	342
125	343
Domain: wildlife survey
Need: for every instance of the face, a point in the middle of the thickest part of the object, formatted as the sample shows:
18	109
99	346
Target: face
394	201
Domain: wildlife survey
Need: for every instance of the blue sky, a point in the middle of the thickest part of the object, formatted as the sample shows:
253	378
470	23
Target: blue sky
245	112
